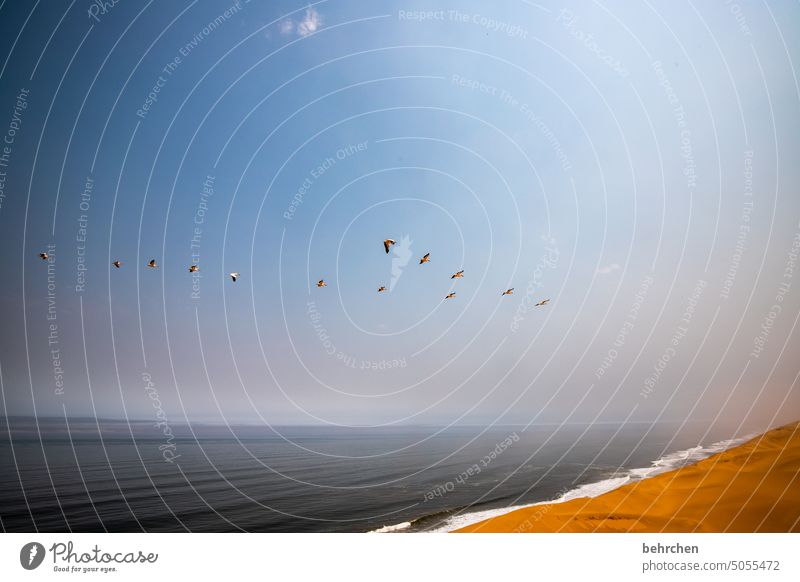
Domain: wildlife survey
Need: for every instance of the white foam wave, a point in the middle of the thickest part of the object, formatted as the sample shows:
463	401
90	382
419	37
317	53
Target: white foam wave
464	519
592	489
391	528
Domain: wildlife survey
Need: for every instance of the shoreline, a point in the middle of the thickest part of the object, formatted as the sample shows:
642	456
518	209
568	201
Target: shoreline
752	486
467	516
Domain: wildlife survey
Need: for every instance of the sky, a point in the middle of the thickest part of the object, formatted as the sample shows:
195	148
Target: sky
636	165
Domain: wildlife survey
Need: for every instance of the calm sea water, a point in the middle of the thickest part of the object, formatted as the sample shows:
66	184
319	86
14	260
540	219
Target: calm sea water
113	476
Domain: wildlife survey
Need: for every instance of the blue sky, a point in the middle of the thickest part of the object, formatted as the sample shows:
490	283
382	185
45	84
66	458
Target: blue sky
632	164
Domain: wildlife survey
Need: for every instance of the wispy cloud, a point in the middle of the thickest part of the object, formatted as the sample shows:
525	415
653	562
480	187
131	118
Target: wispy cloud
608	269
402	255
309	24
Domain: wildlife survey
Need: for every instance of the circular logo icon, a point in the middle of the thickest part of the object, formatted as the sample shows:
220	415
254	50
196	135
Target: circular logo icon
31	555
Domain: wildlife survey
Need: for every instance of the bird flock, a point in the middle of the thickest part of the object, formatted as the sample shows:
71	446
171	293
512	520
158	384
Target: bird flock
152	264
426	258
387	244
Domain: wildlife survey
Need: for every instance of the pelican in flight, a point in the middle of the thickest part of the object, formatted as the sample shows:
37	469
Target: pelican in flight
458	275
508	291
117	264
152	264
425	259
193	268
450	295
381	289
234	276
322	283
44	256
542	302
387	243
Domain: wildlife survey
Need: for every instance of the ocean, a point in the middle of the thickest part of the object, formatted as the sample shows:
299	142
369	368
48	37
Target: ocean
95	476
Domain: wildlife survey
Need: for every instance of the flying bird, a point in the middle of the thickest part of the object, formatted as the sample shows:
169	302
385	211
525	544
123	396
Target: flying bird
425	259
152	264
193	268
508	291
321	283
542	302
381	289
458	275
387	243
44	256
450	295
234	276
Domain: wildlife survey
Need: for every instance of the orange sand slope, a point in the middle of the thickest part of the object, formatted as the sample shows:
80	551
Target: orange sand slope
754	487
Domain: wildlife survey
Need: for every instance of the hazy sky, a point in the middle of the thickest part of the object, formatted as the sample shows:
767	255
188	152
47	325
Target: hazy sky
635	164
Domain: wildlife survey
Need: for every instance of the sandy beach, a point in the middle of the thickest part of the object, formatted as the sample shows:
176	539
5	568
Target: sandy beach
754	487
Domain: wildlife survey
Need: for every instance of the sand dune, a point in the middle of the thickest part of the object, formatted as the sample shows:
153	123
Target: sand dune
754	487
